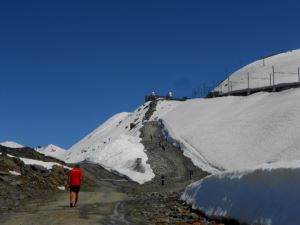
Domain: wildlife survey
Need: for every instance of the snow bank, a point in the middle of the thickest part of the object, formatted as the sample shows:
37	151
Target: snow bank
11	144
125	155
14	173
265	195
231	133
47	165
62	188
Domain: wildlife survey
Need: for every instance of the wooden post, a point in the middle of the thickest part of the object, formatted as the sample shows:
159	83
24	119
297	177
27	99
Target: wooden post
270	79
298	74
248	77
273	72
248	81
228	84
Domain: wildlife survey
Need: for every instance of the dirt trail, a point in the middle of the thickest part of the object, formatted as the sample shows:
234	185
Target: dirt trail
94	208
99	203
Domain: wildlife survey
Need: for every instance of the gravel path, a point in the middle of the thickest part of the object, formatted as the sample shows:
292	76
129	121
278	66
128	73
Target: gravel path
93	209
98	202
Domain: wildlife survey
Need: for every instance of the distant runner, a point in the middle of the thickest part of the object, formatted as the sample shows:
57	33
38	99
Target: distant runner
75	177
162	179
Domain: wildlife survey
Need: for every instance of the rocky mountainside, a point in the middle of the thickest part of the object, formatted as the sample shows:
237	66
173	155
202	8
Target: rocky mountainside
20	180
166	159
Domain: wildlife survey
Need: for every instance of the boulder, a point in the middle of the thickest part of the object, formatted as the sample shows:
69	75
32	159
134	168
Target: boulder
39	168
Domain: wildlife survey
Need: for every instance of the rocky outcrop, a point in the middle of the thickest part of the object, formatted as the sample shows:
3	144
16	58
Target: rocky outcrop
19	181
151	110
167	159
28	153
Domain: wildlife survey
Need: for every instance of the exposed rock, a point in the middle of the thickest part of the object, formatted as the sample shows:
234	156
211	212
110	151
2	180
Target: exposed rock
151	110
34	179
166	159
39	168
132	125
138	166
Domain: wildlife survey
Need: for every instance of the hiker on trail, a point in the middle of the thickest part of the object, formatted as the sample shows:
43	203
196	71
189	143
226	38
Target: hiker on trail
162	178
162	146
191	174
75	178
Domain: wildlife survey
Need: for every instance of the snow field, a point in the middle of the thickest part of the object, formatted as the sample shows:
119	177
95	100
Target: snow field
231	133
14	173
53	151
261	72
47	165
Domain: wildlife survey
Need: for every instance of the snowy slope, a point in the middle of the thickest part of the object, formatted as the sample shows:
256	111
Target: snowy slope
163	108
231	133
285	71
52	150
11	144
97	139
218	134
116	145
264	195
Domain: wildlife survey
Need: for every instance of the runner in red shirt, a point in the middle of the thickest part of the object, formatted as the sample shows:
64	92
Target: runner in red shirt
75	178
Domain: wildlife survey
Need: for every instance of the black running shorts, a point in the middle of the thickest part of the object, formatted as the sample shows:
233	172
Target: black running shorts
75	189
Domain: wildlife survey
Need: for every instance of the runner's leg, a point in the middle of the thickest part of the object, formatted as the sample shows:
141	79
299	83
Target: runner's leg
76	198
71	198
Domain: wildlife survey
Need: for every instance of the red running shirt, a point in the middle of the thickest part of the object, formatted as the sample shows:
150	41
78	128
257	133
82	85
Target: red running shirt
75	176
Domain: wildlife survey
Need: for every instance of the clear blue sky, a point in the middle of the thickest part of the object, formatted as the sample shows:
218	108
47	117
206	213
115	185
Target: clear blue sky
67	66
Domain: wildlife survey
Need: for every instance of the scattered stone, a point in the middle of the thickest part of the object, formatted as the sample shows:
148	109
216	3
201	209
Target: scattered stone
39	168
3	173
161	220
